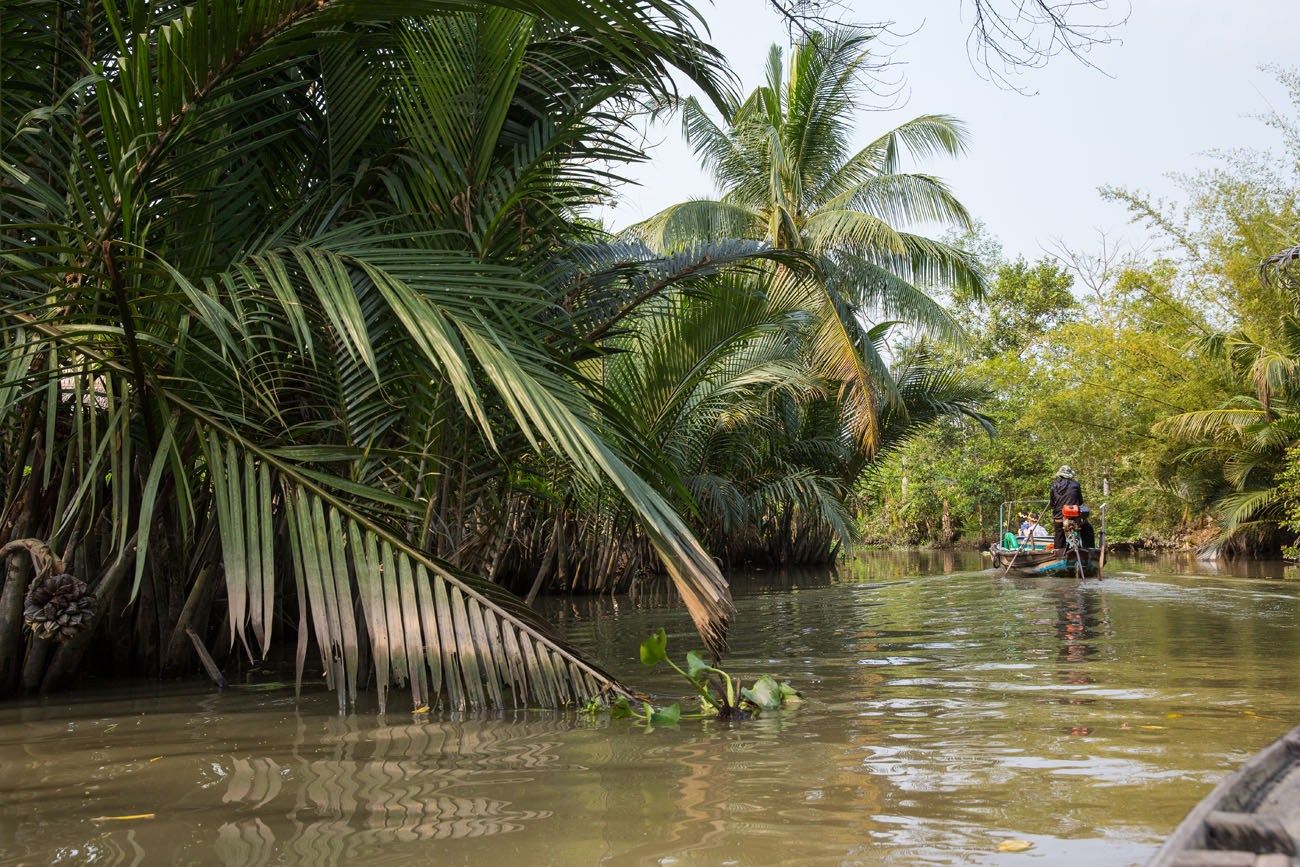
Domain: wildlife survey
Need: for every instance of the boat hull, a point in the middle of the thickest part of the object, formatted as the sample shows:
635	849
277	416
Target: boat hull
1037	564
1248	818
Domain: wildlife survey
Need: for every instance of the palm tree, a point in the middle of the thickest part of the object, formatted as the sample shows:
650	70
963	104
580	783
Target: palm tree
716	378
713	378
1236	454
278	323
788	176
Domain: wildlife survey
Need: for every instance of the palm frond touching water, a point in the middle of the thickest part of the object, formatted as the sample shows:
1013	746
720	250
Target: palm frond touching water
276	306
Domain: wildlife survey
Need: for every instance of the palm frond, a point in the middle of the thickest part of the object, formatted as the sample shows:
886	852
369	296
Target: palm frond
452	637
699	220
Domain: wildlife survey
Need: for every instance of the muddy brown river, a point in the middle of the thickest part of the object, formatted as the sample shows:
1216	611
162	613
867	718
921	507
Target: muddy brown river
948	711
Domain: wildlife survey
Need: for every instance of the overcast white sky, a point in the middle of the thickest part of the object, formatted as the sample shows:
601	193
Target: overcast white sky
1185	81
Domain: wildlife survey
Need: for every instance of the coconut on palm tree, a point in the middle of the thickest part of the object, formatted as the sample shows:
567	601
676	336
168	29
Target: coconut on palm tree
279	325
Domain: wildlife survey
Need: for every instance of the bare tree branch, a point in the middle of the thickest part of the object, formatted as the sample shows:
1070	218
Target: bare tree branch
1009	36
1006	36
1098	272
807	16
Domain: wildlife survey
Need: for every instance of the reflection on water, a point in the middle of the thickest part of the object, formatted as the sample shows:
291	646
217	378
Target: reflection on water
948	710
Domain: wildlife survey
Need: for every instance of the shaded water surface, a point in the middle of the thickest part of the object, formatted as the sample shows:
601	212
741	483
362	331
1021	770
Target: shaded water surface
946	713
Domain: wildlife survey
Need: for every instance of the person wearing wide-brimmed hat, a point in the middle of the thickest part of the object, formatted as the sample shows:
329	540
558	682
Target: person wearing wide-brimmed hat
1065	491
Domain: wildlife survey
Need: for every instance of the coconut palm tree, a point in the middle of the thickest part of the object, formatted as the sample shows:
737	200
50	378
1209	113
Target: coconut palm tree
278	324
788	176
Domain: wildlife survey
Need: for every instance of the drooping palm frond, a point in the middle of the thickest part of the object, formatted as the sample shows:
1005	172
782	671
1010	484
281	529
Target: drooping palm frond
313	231
700	220
1283	259
1230	421
447	635
930	390
1249	512
604	283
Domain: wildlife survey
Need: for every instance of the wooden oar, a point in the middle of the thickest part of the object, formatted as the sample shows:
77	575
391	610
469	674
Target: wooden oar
1029	539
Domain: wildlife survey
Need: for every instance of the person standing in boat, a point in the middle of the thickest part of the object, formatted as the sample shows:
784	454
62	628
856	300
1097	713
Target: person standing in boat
1065	491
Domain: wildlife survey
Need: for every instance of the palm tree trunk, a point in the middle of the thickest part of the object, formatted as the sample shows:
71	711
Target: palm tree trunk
67	658
18	572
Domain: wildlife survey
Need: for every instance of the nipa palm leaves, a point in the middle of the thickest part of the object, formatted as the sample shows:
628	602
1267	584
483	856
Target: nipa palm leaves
447	635
251	281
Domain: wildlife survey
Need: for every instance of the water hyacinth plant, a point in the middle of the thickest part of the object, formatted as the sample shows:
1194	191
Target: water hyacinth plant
721	695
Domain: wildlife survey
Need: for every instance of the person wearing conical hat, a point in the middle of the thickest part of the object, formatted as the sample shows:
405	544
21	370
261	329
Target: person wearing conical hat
1065	491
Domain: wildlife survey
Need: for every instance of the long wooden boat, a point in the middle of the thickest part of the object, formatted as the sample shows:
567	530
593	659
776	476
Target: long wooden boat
1251	819
1052	563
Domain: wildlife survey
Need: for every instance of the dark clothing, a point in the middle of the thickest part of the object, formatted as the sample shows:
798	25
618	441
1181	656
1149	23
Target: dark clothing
1064	492
1087	534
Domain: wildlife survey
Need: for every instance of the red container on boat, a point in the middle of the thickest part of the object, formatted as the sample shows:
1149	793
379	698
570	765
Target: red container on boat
1069	511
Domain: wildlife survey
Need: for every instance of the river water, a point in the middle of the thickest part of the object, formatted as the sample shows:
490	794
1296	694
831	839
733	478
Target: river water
948	710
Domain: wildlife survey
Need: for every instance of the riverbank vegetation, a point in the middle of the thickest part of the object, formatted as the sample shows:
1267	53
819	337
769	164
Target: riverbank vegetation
296	296
310	340
313	345
1171	371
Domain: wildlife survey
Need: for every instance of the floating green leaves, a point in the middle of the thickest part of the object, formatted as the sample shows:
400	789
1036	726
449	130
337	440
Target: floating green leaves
654	649
651	716
720	695
696	667
765	694
665	716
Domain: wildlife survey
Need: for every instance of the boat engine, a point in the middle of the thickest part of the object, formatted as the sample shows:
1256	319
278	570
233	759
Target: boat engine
1072	520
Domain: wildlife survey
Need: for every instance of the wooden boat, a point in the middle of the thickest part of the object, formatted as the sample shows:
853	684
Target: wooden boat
1251	819
1049	563
1034	561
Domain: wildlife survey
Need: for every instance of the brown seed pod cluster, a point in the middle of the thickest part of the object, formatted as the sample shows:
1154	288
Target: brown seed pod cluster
58	606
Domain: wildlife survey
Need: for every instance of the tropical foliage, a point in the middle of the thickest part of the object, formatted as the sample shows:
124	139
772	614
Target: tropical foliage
283	324
788	176
1250	439
1073	378
306	322
775	483
1172	375
1231	452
